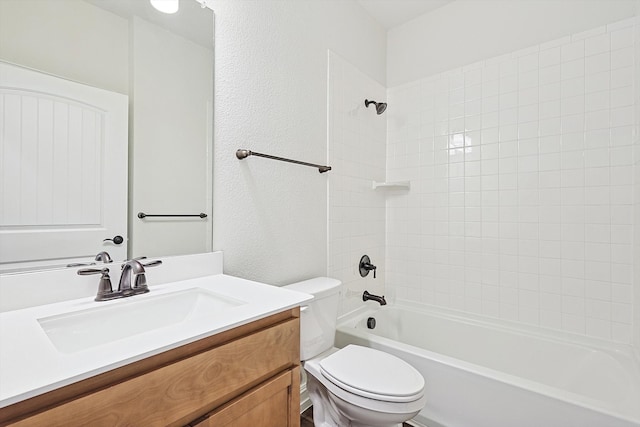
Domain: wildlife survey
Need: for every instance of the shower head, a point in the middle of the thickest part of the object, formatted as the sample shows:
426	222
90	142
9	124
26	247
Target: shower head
380	106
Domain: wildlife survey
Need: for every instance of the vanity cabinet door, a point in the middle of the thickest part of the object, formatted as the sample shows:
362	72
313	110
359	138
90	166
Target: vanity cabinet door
274	403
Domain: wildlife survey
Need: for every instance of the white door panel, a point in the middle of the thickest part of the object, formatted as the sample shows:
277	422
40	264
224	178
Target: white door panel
64	168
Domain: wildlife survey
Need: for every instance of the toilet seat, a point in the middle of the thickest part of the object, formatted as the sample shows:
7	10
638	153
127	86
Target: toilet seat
373	374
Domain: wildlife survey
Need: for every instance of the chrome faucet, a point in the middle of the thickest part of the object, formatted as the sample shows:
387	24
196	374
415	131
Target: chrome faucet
131	269
132	280
367	296
104	257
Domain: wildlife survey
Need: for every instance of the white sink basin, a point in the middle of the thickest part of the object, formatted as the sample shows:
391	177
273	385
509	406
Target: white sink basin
85	329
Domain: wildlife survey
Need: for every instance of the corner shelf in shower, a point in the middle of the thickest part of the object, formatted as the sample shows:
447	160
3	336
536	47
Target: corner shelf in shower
394	185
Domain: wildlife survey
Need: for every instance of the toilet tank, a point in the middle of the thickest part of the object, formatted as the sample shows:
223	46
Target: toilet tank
318	318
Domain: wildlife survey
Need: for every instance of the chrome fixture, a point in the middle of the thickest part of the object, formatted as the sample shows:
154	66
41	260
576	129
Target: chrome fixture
116	240
105	291
243	154
132	280
366	296
365	266
142	215
104	257
380	106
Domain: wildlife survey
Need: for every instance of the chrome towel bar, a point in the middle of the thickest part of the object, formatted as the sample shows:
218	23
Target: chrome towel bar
243	154
144	215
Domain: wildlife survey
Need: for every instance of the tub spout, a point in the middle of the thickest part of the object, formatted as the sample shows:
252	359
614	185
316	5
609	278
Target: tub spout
367	296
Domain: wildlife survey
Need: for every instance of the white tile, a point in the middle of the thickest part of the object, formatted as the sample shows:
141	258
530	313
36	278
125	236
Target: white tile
572	87
549	57
622	116
622	77
598	328
597	82
596	158
622	38
572	51
528	79
621	156
551	74
621	136
597	63
621	58
575	68
573	105
597	44
597	120
599	138
575	123
597	101
529	62
621	97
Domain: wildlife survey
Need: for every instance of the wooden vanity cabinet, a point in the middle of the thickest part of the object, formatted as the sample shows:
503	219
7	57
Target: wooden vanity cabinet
245	377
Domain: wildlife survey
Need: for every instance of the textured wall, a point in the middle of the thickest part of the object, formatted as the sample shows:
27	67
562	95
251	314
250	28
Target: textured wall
270	218
521	206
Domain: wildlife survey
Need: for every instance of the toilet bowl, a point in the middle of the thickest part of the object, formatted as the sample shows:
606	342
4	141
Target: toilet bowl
354	386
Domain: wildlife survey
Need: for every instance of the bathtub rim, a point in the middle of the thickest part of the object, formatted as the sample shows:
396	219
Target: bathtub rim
623	353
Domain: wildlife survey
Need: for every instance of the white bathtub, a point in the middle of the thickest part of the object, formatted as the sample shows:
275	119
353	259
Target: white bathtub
483	375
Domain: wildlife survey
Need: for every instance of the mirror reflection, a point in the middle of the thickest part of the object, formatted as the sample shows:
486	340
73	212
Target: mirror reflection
107	113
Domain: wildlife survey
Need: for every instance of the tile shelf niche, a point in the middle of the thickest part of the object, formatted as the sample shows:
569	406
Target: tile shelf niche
392	185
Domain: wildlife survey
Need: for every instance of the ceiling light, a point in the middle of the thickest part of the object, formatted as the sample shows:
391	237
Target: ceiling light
166	6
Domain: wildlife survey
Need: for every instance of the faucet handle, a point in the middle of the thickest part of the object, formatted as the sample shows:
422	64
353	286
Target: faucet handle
90	271
140	281
152	263
365	266
105	291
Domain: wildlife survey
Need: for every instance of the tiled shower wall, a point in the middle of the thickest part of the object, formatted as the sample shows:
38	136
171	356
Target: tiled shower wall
356	153
521	201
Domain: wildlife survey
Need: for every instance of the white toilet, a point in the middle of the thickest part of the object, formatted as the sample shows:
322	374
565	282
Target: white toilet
354	386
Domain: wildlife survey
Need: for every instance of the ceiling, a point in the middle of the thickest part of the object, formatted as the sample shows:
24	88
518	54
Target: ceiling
391	13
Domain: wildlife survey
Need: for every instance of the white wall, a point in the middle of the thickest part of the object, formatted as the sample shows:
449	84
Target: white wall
464	32
521	206
270	218
357	144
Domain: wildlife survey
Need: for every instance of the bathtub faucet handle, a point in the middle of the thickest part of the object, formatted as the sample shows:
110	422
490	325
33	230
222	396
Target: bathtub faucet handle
365	266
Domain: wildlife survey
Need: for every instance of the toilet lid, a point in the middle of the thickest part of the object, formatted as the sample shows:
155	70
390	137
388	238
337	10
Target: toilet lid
373	373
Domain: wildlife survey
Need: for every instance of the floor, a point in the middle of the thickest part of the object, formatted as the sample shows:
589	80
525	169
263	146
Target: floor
306	419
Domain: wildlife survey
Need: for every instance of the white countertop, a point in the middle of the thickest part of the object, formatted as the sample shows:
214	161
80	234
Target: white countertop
31	365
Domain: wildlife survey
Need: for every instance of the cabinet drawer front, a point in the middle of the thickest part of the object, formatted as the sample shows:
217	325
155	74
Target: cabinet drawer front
266	406
180	392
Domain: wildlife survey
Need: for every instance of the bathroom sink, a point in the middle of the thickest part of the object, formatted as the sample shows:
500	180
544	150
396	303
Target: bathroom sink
81	330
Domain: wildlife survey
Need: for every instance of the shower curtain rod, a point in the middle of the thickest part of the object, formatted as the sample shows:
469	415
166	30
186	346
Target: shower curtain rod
243	154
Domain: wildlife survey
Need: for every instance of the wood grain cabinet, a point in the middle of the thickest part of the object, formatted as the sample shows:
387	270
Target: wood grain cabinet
245	377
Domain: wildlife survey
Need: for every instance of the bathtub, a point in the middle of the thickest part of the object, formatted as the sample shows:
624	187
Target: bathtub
480	374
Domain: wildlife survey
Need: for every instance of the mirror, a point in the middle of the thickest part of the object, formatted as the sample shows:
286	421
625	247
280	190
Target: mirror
164	65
